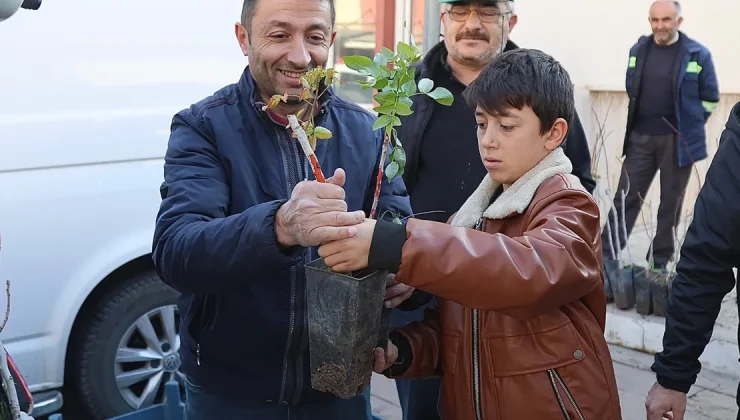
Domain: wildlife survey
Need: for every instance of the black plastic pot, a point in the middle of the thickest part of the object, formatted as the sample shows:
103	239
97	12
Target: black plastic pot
660	288
643	295
344	316
608	288
624	294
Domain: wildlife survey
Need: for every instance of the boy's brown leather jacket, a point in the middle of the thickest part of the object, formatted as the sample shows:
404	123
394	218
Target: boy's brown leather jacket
519	330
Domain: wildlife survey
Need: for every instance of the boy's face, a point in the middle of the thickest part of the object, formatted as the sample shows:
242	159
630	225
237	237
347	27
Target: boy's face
510	145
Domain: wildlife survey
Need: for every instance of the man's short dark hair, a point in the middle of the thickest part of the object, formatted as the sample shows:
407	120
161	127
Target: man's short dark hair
524	77
250	6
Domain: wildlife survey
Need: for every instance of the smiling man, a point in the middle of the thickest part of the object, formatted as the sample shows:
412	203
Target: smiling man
238	221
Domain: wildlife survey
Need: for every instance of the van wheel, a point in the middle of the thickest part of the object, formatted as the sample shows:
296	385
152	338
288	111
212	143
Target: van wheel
129	348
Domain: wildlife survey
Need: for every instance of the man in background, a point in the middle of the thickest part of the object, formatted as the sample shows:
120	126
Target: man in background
673	90
443	164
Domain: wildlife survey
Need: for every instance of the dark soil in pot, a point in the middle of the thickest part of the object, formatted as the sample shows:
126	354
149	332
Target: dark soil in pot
660	287
608	288
643	295
344	316
624	294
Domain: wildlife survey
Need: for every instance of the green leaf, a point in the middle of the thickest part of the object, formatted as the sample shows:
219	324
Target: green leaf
391	171
381	83
399	155
402	109
406	51
388	53
384	109
409	88
321	133
442	96
375	71
357	62
384	98
403	76
406	101
382	122
380	59
396	121
425	85
396	220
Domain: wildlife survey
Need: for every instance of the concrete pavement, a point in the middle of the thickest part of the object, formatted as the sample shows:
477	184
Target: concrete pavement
712	398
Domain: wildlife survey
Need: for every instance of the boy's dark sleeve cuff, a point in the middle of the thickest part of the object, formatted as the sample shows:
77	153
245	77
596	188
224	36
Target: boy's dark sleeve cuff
386	246
403	362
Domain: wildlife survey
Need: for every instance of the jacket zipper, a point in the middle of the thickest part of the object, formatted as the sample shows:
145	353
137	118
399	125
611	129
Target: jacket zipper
476	355
555	380
290	180
299	293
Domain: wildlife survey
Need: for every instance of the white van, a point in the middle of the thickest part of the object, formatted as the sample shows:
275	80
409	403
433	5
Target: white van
87	93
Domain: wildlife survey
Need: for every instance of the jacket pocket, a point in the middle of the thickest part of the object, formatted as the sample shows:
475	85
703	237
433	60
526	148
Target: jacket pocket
203	316
535	352
564	397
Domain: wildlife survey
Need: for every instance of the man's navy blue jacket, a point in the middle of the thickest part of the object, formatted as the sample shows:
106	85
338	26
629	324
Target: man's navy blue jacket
704	273
695	93
229	167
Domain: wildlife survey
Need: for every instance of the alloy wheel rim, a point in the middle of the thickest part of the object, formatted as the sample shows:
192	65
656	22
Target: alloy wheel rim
147	357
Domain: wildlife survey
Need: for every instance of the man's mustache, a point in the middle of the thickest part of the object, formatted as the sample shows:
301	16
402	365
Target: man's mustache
472	35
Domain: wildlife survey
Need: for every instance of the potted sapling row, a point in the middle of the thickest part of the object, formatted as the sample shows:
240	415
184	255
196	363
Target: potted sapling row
345	310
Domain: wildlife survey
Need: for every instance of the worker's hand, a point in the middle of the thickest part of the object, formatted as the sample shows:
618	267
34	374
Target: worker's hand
385	358
316	213
396	293
663	403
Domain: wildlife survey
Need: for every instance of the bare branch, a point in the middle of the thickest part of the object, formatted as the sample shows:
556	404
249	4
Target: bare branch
7	305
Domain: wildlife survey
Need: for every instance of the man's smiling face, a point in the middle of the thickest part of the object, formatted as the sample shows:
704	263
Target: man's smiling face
286	39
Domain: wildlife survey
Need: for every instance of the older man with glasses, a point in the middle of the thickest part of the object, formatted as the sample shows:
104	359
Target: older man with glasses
443	165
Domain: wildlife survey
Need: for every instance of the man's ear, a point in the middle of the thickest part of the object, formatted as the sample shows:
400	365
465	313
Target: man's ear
333	36
242	37
512	22
556	135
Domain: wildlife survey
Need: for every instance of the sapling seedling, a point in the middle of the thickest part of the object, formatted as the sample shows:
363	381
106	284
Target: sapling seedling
391	74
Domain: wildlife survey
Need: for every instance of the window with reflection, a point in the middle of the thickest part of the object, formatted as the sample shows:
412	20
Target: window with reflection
355	27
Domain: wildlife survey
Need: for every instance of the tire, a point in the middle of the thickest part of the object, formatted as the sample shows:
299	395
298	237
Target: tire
116	322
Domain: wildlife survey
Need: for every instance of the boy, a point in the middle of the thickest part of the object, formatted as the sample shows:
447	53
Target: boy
519	329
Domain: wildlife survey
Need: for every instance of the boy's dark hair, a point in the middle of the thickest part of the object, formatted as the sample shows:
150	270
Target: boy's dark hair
249	7
524	77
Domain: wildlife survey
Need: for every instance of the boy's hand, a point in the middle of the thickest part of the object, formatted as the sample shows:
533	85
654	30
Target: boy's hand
385	358
349	254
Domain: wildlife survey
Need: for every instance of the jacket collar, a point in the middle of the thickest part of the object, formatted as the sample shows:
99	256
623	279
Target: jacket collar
685	42
514	199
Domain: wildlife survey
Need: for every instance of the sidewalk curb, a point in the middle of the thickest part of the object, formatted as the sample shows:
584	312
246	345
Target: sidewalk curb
645	333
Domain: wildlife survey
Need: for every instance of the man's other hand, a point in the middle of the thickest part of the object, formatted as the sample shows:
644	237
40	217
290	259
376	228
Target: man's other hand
396	293
663	403
385	358
316	213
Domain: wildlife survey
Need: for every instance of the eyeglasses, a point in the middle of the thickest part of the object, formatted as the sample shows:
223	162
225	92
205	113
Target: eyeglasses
488	16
